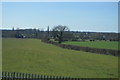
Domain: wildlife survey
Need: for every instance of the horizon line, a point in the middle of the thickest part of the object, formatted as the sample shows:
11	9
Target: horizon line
70	30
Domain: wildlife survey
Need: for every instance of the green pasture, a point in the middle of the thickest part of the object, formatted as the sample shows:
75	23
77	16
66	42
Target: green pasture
34	56
95	44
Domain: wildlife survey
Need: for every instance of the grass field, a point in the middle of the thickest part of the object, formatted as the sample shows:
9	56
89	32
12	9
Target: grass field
33	56
96	44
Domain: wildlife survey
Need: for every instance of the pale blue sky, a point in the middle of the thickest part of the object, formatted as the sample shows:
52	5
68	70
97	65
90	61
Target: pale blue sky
80	16
0	14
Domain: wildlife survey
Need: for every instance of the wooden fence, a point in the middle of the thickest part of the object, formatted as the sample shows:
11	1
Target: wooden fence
27	76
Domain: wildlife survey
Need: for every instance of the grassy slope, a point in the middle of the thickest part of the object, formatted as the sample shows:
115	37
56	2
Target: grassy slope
97	44
33	56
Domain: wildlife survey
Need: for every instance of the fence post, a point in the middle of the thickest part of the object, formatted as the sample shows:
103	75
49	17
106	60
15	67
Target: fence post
38	76
68	78
5	75
16	75
59	77
47	77
72	78
50	77
56	78
8	76
22	76
79	79
35	77
63	78
32	76
11	75
28	76
41	77
44	77
2	75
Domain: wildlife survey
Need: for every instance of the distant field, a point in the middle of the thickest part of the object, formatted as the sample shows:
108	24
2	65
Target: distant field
34	56
96	44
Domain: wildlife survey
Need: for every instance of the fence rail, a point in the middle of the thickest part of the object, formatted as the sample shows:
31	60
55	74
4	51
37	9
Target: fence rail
27	76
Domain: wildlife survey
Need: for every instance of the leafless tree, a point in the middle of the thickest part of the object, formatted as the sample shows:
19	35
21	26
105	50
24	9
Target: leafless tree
58	32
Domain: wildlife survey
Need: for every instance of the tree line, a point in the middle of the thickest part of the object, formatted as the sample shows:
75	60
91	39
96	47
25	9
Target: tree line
60	33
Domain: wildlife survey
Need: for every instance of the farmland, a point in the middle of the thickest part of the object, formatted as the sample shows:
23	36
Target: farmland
34	56
96	44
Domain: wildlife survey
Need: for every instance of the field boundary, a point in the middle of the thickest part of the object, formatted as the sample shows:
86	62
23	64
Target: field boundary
86	49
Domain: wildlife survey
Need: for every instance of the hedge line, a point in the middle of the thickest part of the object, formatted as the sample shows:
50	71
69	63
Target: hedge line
87	49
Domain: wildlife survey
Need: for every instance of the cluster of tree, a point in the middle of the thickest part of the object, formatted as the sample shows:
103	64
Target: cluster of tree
23	33
96	36
60	33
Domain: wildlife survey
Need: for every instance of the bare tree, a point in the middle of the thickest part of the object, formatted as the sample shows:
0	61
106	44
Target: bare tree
58	32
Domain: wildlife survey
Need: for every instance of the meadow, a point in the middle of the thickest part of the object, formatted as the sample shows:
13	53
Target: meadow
95	44
34	56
